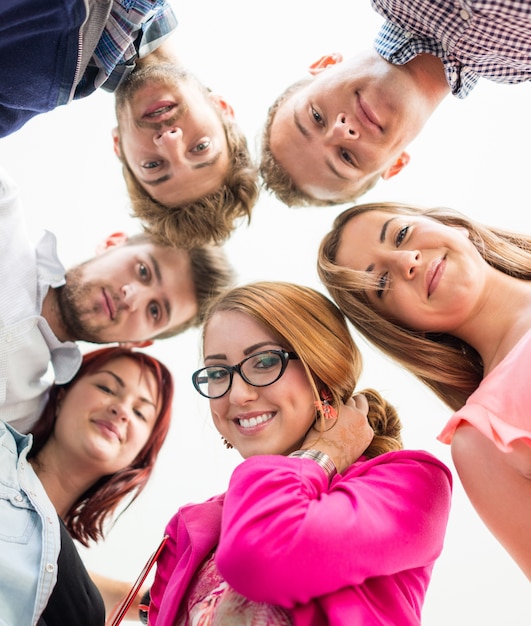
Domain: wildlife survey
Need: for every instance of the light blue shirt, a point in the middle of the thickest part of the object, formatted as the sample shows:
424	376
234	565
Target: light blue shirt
29	534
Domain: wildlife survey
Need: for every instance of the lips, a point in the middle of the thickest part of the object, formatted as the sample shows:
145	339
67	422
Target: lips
109	304
252	421
159	111
434	275
368	116
108	429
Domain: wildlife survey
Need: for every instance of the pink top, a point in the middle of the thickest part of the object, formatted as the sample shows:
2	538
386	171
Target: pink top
358	551
500	408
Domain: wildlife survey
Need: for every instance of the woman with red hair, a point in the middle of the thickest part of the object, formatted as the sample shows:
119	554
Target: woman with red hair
95	443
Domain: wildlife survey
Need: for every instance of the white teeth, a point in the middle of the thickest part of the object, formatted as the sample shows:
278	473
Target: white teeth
254	421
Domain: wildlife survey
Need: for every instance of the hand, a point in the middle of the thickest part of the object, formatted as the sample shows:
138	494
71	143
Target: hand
346	437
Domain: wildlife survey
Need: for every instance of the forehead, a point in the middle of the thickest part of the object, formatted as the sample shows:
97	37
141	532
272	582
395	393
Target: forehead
234	330
129	371
361	235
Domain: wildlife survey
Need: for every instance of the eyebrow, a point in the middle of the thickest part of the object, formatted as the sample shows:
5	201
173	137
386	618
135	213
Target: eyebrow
195	166
158	276
307	135
247	351
383	232
121	382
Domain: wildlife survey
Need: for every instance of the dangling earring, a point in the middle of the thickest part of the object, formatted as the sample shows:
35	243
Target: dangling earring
325	407
226	443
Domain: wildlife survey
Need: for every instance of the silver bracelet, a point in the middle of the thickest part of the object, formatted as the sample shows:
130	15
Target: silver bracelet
320	458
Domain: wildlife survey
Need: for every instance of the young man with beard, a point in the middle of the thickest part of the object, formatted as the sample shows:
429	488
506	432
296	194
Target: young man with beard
133	291
195	167
330	137
185	162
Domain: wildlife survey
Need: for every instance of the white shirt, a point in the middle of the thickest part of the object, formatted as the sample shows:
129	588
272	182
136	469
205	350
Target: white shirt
27	344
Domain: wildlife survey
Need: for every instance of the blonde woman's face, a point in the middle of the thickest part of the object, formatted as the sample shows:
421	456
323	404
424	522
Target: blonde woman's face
430	276
257	420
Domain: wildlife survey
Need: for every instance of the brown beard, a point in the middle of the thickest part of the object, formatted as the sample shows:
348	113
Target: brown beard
161	74
72	309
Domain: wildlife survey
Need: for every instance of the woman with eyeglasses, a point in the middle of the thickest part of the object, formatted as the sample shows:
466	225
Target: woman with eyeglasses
95	444
327	520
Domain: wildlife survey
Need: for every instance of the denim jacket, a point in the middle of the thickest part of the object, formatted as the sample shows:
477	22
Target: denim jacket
29	534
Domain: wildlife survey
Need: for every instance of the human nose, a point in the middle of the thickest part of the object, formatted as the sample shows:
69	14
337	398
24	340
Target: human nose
241	391
344	128
119	410
130	293
169	140
408	262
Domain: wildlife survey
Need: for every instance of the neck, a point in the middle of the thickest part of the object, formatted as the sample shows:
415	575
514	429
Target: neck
51	313
496	328
63	488
428	71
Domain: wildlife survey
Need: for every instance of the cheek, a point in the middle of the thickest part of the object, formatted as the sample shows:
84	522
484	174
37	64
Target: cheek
218	410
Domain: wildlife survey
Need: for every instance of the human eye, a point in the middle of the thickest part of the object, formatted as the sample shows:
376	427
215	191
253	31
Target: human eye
154	311
347	157
140	415
382	284
265	360
203	145
317	117
401	235
151	165
104	388
216	374
143	272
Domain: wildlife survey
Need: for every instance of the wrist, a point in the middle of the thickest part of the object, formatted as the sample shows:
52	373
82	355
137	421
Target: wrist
318	457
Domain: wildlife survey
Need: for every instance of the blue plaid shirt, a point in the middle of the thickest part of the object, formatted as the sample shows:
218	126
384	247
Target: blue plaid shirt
473	38
134	29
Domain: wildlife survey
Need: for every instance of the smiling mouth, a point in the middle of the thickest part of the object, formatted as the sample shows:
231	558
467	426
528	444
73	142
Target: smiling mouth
435	277
110	430
255	421
159	111
368	114
110	304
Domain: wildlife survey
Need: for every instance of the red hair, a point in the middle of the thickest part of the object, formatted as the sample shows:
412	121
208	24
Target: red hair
86	517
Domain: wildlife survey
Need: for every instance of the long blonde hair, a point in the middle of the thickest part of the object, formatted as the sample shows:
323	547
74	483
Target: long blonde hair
447	365
308	323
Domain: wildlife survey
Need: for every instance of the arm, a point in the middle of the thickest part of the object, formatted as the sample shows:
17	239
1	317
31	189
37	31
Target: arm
288	537
499	487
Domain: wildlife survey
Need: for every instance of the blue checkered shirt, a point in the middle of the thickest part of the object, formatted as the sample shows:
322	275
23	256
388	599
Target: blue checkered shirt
473	38
134	29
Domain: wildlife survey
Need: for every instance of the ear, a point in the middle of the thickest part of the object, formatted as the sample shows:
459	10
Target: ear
116	142
116	239
396	167
222	104
136	344
329	59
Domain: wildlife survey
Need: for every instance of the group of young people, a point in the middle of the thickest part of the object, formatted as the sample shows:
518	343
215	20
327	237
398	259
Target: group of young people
328	519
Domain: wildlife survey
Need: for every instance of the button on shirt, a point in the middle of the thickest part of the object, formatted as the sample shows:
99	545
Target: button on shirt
27	344
29	534
489	39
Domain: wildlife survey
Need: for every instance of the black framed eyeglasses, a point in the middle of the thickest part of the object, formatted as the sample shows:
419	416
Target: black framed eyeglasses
259	370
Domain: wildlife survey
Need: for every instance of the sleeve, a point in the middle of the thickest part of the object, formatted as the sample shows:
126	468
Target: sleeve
165	566
288	537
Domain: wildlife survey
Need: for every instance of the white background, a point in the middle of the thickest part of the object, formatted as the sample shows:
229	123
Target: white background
473	155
